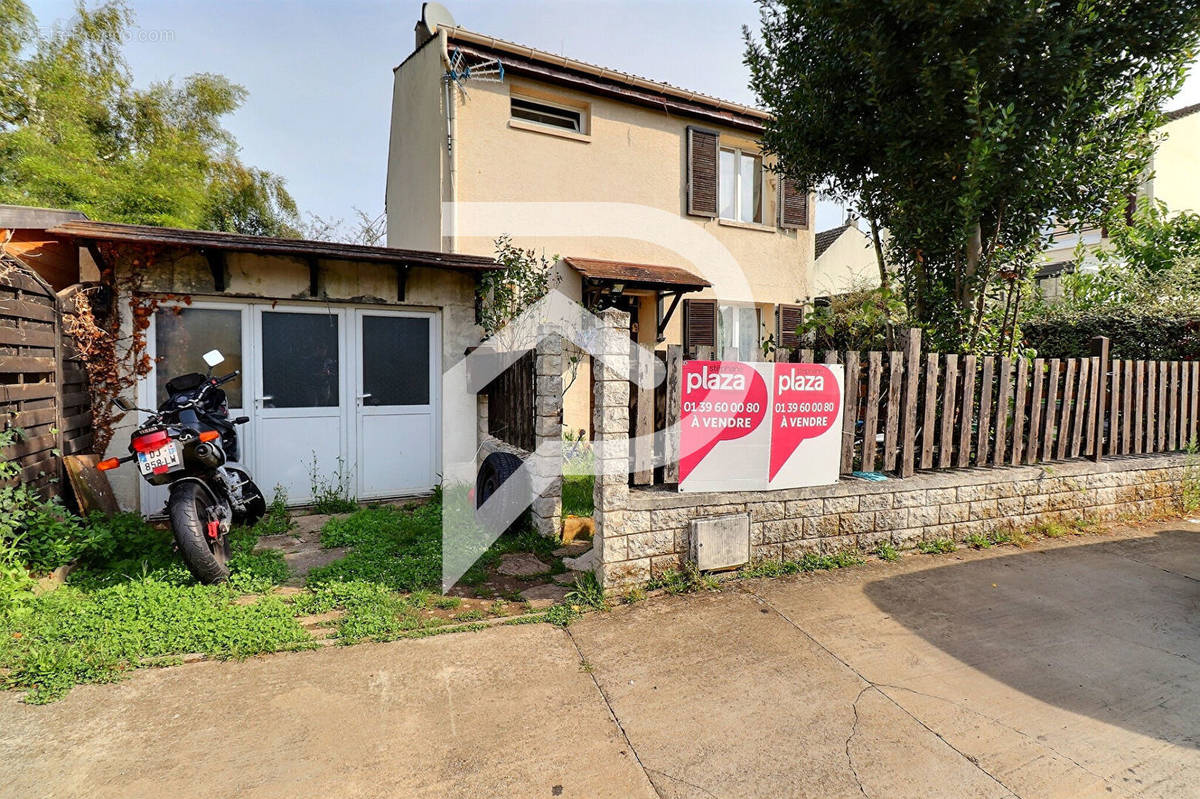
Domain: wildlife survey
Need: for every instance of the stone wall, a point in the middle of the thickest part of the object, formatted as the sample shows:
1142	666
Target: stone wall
651	533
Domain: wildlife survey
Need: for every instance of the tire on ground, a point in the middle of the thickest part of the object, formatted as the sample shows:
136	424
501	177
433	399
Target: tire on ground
497	469
207	561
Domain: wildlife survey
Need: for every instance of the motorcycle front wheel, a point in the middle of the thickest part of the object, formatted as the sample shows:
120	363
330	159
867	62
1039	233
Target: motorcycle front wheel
206	558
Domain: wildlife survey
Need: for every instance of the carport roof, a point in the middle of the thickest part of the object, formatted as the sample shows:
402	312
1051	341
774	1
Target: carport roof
88	230
638	275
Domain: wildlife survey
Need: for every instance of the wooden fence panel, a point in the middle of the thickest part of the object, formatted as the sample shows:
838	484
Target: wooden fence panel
511	404
31	381
1194	416
1081	401
1018	426
1065	416
1035	412
1139	407
908	417
983	433
1151	406
1051	415
949	407
968	412
850	421
891	433
929	411
871	416
1160	436
674	400
1002	398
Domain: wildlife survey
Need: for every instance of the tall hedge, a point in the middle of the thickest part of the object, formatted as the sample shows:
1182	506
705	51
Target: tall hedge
1133	334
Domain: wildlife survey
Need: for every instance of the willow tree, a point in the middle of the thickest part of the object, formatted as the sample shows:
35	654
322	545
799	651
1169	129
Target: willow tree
962	127
75	132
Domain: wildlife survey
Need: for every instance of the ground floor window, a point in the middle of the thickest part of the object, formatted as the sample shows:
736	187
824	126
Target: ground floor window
737	333
183	335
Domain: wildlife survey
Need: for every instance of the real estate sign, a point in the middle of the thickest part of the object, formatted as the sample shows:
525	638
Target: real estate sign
754	426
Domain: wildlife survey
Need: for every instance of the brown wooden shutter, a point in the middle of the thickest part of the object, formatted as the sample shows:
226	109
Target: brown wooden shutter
703	154
699	324
793	205
788	318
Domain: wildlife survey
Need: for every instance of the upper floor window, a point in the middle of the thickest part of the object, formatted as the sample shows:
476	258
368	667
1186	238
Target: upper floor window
541	113
741	185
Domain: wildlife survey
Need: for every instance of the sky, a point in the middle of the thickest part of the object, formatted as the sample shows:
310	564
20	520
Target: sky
319	74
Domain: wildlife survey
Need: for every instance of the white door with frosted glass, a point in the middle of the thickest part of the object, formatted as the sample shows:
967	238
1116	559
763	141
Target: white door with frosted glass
396	381
179	337
299	391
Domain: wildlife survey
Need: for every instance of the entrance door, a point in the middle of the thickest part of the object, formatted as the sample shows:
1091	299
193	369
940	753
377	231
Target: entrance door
299	396
396	409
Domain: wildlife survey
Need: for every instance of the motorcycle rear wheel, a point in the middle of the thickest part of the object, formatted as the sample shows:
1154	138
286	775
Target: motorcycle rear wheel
206	558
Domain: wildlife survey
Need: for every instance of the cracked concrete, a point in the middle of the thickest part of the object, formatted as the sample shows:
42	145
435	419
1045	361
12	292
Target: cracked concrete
1067	670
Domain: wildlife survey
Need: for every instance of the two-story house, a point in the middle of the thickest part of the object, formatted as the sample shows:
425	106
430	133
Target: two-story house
647	192
1173	178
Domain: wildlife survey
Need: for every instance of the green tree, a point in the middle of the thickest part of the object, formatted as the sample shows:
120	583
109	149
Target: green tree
963	126
76	133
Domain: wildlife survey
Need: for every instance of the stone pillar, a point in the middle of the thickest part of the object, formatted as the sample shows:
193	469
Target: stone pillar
547	458
610	443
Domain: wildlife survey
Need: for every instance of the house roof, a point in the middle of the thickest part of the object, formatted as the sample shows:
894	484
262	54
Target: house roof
236	242
637	275
1054	269
826	238
1180	113
524	60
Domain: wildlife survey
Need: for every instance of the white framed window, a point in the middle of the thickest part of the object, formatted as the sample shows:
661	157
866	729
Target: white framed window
551	115
741	184
737	333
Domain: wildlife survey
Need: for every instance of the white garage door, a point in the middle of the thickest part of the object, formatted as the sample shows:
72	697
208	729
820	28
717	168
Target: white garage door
353	390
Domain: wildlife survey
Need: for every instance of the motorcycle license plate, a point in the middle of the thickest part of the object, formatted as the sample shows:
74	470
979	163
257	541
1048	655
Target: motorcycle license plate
165	457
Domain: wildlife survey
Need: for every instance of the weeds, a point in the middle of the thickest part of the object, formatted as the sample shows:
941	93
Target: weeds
978	541
885	551
331	493
588	593
936	546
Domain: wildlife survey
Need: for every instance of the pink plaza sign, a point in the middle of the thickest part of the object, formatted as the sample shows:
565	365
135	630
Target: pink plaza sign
753	426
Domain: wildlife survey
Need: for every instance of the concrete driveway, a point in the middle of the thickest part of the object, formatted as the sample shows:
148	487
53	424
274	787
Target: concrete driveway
1068	670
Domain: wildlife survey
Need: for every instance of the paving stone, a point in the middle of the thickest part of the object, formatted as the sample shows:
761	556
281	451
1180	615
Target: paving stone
543	596
521	564
573	549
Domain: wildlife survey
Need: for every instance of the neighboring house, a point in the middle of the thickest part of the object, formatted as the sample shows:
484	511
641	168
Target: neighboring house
1174	180
647	191
845	261
341	347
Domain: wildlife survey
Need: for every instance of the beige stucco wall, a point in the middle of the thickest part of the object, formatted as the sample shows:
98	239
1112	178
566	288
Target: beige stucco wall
848	264
631	155
256	277
416	153
1177	165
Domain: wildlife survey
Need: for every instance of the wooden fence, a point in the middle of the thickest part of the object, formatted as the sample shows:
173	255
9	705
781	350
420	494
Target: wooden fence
43	387
511	401
905	410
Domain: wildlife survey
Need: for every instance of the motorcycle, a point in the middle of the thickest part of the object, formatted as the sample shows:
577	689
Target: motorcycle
190	445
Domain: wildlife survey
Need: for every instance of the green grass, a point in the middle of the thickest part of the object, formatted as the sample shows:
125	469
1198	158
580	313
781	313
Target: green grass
71	636
577	495
401	548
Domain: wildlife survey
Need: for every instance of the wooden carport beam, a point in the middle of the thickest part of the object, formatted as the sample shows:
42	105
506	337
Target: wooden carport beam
401	282
664	319
314	274
216	265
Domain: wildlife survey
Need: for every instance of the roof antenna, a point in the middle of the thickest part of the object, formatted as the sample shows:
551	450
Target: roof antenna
488	70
